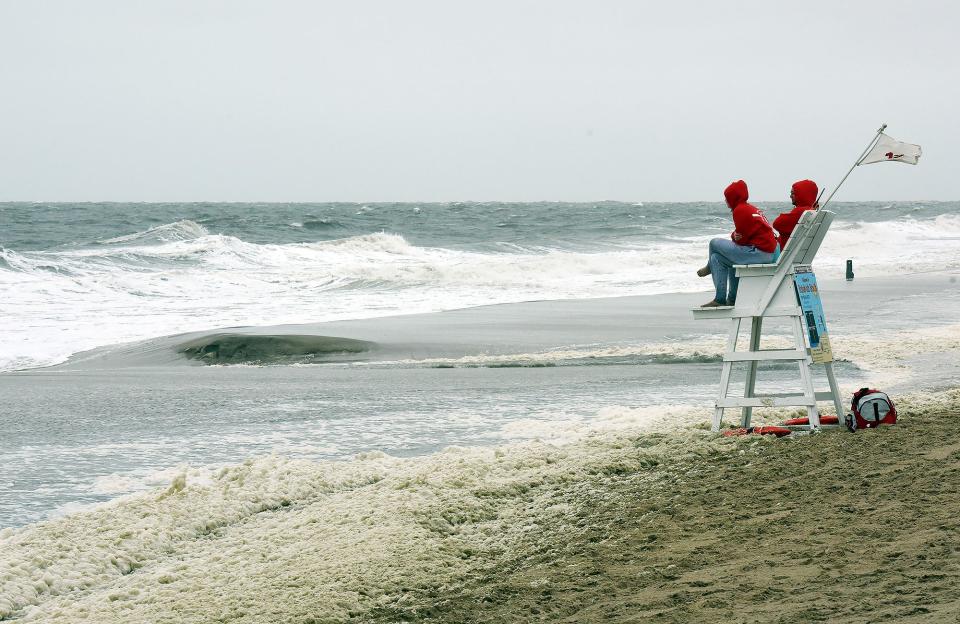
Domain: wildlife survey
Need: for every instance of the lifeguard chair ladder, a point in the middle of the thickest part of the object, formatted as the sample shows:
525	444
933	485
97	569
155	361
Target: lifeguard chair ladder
767	291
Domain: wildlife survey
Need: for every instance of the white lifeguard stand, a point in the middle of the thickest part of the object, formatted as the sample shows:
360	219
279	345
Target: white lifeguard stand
767	291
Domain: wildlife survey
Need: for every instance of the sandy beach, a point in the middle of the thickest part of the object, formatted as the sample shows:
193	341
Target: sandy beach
831	528
671	526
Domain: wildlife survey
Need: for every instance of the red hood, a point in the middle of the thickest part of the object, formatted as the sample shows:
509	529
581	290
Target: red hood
736	194
804	193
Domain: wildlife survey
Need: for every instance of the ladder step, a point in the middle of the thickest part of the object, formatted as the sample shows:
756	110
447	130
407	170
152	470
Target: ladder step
725	312
746	312
821	396
768	354
800	401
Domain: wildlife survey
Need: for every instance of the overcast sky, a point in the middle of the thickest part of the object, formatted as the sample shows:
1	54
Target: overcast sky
484	100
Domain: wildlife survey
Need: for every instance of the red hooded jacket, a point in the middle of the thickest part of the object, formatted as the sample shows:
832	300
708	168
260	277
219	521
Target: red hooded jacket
750	224
804	194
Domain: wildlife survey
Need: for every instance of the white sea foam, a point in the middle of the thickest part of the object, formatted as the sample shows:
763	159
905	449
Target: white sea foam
280	539
178	277
894	247
883	355
373	521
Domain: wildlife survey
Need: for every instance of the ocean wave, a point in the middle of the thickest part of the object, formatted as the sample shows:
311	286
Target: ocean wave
901	246
184	229
375	243
320	224
143	286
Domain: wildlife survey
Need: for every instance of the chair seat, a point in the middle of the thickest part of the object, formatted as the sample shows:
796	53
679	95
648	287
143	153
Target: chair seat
763	266
744	270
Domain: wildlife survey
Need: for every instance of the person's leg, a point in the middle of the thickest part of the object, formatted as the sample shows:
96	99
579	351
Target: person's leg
729	253
705	271
719	269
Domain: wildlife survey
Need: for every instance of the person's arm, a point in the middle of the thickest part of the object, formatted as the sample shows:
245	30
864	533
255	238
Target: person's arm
782	222
787	221
741	223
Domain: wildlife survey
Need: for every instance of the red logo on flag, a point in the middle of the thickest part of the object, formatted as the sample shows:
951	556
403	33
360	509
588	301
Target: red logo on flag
892	156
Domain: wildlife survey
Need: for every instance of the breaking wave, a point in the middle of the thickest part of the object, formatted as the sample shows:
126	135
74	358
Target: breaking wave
169	232
180	277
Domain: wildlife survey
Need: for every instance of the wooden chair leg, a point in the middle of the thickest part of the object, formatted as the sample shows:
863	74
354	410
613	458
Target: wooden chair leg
725	373
748	390
805	377
835	390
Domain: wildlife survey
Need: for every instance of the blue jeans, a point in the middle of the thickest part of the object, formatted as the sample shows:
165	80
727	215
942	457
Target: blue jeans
724	253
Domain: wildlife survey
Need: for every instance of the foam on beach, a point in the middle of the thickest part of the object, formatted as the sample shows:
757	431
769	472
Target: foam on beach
300	537
279	540
883	355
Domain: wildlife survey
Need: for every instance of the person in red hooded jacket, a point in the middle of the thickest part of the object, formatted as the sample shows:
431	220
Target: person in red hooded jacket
752	242
803	194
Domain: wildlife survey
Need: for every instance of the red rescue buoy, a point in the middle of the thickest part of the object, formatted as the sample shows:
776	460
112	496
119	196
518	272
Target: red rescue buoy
764	430
824	420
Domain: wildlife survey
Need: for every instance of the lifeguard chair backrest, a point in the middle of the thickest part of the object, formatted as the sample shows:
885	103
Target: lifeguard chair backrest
808	236
798	232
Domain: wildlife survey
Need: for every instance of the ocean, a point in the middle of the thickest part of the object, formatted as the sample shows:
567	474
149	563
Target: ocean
149	346
81	276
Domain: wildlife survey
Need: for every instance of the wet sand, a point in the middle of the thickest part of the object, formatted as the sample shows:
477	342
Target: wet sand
867	307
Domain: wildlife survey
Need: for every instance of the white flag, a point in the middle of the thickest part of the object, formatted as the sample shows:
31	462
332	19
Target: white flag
888	149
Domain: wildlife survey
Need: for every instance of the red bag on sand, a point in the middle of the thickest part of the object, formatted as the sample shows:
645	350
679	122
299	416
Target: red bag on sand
871	408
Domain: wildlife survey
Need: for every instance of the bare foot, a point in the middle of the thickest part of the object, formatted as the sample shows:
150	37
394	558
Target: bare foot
705	271
712	304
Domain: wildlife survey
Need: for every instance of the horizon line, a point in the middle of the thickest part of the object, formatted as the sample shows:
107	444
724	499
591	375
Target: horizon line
441	201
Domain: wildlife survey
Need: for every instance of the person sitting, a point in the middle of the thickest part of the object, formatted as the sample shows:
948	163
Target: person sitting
803	195
752	242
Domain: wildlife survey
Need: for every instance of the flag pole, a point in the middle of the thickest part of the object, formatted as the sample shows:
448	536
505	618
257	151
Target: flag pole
859	160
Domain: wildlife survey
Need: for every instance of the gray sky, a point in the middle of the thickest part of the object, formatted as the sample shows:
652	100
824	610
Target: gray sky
433	101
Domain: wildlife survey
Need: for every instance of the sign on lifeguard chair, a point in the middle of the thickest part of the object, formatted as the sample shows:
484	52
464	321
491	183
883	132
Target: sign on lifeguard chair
786	289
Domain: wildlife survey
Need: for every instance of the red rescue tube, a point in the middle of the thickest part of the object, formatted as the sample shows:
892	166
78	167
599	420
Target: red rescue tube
765	430
824	420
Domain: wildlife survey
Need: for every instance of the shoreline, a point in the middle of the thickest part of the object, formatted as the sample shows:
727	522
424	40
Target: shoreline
530	325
